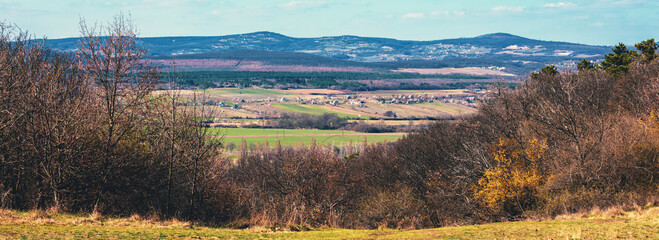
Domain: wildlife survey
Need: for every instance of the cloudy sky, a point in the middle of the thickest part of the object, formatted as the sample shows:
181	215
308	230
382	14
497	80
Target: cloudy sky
601	22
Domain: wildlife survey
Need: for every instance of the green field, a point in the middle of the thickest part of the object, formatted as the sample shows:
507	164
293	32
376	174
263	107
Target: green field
309	109
275	131
393	122
320	140
293	137
637	224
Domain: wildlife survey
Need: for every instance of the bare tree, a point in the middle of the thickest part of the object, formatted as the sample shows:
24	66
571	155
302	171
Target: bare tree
112	58
43	115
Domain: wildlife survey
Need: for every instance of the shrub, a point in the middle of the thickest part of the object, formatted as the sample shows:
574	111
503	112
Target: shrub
512	185
391	208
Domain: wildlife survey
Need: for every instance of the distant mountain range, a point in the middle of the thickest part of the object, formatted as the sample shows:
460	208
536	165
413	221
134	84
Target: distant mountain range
498	51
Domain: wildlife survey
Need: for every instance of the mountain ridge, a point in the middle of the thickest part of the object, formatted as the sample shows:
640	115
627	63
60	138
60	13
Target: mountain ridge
502	51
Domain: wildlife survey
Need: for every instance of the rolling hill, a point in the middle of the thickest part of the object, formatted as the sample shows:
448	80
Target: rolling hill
499	51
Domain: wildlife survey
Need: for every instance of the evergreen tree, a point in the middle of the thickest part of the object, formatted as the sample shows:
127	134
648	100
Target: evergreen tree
617	63
547	70
585	64
648	48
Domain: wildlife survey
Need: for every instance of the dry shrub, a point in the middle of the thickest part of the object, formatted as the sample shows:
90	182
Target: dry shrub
96	216
391	208
287	186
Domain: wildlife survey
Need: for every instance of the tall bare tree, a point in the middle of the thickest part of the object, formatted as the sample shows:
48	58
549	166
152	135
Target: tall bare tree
113	59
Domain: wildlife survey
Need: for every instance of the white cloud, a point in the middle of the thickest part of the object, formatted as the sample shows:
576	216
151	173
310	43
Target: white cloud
292	5
560	5
596	24
414	16
447	13
507	9
628	2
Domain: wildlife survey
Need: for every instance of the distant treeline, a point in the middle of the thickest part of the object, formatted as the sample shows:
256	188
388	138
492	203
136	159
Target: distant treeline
338	80
305	59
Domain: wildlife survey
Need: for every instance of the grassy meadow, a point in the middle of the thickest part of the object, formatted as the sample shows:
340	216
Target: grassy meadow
450	108
313	110
295	137
639	223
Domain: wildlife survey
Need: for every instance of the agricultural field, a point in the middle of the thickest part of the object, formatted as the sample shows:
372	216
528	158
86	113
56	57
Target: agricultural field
254	91
253	107
393	122
246	91
640	223
255	103
297	137
314	110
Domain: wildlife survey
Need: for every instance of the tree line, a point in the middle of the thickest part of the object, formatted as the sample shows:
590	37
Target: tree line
338	80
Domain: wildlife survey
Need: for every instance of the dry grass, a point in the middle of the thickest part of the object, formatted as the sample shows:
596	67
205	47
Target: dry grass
648	212
610	223
48	217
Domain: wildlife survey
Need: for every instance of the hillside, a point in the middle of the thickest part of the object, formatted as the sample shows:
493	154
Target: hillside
501	51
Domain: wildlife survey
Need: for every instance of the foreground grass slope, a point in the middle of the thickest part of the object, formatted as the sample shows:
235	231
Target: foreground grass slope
640	223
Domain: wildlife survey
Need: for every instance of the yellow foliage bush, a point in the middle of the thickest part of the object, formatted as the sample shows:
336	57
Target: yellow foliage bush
647	149
512	185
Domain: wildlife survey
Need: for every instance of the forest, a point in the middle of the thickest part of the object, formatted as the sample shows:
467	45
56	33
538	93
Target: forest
335	80
83	133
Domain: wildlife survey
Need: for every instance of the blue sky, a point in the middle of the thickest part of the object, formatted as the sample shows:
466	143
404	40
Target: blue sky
601	22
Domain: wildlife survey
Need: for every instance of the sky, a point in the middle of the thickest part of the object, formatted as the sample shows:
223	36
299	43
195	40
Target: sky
595	22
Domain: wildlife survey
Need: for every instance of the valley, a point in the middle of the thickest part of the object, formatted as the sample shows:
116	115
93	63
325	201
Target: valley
251	114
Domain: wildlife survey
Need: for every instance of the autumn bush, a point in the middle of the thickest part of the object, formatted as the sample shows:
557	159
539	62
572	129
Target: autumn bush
512	185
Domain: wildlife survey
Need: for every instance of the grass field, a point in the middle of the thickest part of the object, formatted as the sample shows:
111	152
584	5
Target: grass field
337	140
276	131
451	108
293	137
308	109
214	91
642	223
394	122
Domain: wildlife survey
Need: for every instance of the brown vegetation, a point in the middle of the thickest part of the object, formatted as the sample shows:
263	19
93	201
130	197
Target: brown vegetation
84	133
561	143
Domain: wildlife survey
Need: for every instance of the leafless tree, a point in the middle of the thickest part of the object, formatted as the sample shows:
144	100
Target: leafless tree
112	58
